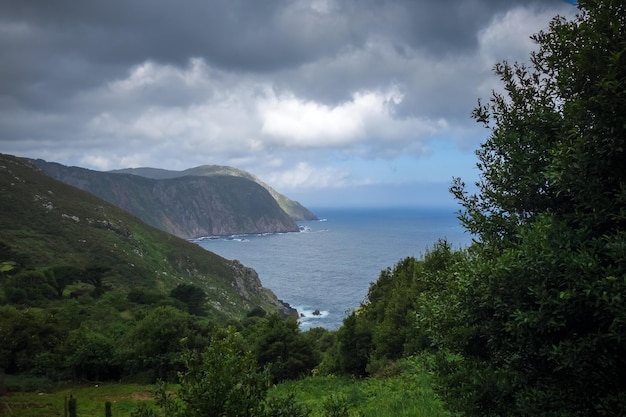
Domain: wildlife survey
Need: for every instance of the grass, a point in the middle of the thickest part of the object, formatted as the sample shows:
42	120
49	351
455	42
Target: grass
406	394
90	400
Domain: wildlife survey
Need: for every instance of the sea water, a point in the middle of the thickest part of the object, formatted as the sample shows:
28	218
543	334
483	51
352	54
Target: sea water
327	268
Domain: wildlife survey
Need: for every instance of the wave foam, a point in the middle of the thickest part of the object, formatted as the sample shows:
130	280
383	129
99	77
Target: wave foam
307	318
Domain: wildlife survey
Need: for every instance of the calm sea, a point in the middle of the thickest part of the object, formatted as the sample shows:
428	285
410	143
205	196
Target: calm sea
331	263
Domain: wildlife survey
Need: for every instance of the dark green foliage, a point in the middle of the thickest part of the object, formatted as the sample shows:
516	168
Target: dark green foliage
155	342
25	335
394	321
280	345
529	320
192	296
29	288
550	277
354	345
144	296
90	355
95	275
223	380
257	311
62	276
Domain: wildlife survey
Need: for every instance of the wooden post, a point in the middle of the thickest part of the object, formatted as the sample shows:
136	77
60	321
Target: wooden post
107	409
71	405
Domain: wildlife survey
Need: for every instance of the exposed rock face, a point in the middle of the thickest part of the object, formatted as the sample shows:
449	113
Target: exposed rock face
247	281
187	206
294	209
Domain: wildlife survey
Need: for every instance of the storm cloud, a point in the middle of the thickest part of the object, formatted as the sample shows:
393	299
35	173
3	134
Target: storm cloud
304	93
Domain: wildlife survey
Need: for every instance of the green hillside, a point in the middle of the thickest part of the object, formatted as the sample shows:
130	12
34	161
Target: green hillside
294	209
45	223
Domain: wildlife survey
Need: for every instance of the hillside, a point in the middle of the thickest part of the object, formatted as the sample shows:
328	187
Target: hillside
188	206
45	223
294	209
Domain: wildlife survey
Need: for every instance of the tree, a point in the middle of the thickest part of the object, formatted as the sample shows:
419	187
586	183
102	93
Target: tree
281	345
548	270
62	276
223	379
354	344
90	355
192	296
94	275
155	341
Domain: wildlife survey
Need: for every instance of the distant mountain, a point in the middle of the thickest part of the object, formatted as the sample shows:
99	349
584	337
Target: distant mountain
188	206
45	223
294	209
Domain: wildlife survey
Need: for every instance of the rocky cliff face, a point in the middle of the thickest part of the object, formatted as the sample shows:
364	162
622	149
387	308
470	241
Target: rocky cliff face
247	282
294	209
188	206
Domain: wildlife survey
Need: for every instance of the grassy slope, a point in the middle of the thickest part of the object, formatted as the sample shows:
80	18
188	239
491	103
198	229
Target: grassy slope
90	400
49	223
407	394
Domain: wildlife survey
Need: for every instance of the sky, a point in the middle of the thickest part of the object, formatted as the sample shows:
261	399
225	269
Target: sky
334	103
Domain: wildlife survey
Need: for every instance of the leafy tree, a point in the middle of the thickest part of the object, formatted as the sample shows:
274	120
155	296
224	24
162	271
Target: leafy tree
29	287
281	345
94	275
192	296
24	336
62	276
223	379
90	355
155	340
354	344
544	307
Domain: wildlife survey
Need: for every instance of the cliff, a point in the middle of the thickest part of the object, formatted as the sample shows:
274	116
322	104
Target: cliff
294	209
188	206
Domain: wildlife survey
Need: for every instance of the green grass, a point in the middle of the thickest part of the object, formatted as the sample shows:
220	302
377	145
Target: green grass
406	394
90	400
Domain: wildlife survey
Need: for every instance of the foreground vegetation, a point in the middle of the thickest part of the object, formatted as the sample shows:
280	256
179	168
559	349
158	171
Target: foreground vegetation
527	321
90	400
405	391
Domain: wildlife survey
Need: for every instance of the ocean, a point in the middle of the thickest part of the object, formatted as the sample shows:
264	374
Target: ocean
329	265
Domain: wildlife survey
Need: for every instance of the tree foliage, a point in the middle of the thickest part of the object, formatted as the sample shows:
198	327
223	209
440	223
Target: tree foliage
192	296
223	379
529	319
549	275
280	344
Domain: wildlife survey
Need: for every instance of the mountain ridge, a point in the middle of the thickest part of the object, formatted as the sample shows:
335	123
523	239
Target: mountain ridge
293	208
188	206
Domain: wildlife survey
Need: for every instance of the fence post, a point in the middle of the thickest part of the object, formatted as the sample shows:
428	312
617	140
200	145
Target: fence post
72	406
107	409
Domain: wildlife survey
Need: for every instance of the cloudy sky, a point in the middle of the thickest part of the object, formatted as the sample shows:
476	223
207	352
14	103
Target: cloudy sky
332	102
